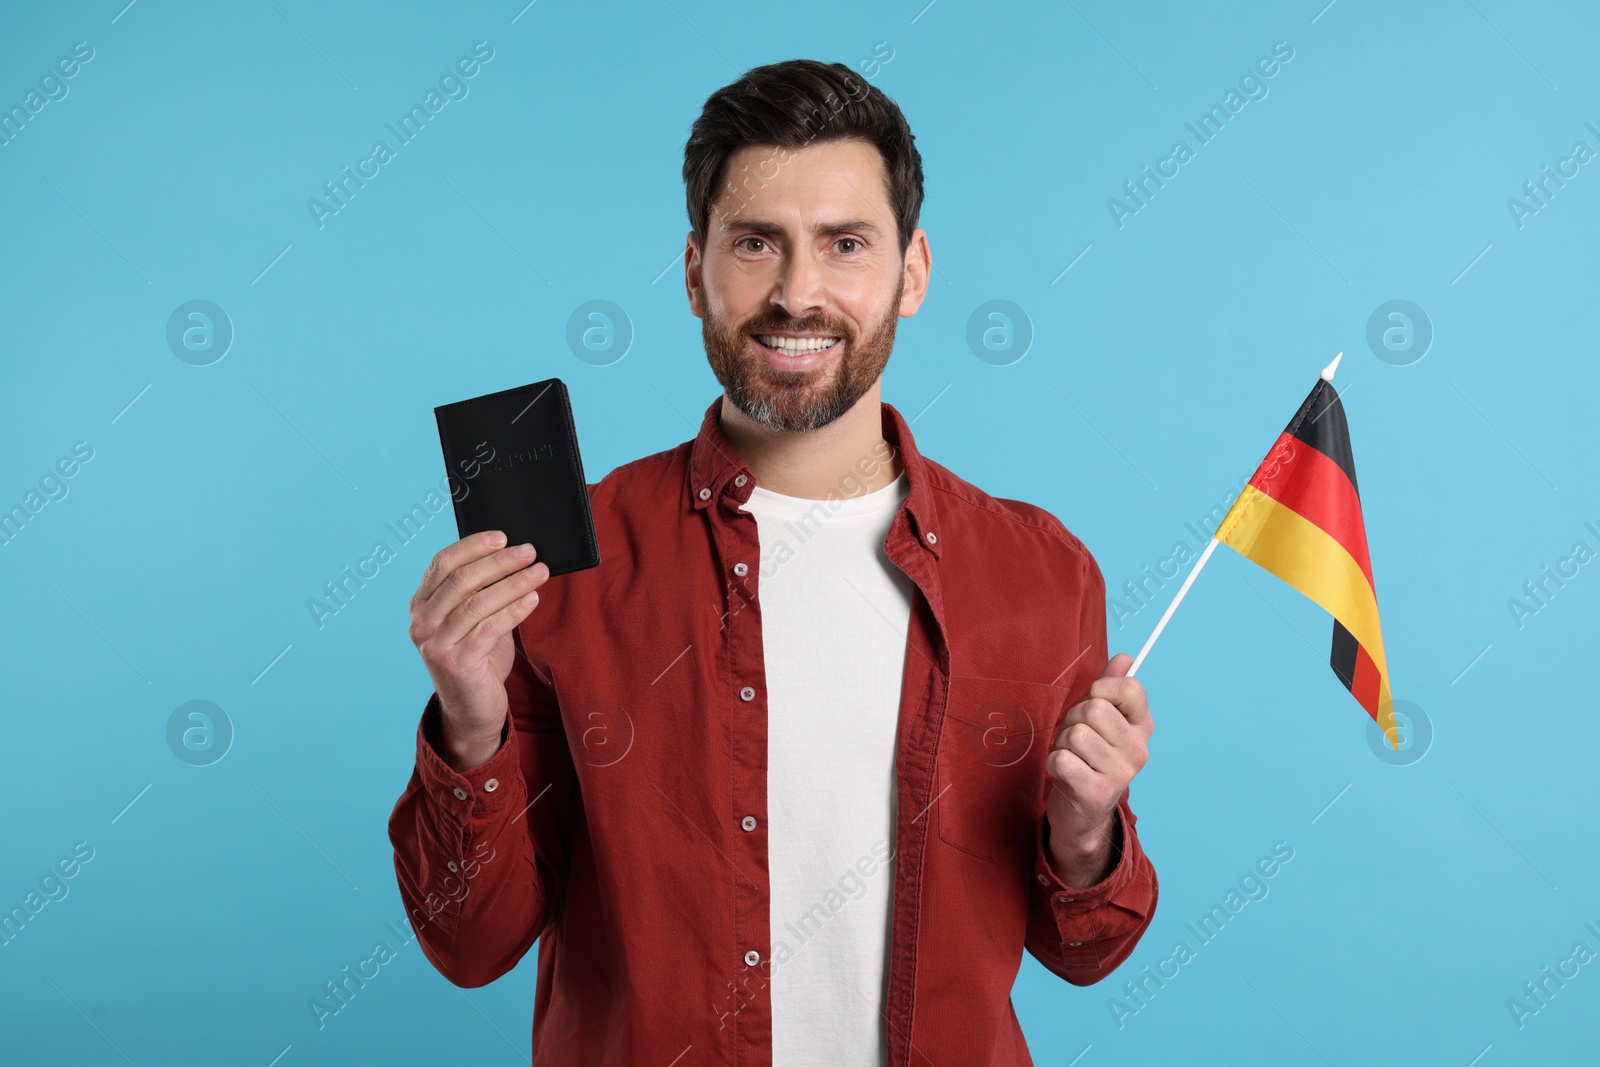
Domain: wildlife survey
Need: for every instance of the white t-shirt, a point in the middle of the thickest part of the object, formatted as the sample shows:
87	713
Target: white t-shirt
834	618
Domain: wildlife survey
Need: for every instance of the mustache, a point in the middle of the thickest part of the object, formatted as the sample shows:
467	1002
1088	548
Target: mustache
803	326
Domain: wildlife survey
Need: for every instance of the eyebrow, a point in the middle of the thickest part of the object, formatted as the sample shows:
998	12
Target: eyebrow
773	229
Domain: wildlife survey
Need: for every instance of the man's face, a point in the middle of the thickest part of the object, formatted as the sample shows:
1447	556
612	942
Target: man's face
801	281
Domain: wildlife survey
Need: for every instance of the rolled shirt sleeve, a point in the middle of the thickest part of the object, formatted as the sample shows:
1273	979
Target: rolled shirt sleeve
478	860
1082	935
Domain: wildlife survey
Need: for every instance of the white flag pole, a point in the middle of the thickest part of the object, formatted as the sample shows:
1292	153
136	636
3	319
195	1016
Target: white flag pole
1162	625
1327	376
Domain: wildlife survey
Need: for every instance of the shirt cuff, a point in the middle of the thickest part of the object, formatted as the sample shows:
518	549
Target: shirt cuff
1066	900
477	798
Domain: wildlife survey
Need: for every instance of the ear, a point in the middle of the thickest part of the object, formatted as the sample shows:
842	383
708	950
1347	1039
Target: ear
917	267
691	277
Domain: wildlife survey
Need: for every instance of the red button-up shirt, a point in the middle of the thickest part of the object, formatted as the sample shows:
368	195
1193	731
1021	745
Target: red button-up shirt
622	823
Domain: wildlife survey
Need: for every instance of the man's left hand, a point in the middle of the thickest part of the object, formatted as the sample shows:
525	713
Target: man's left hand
1101	745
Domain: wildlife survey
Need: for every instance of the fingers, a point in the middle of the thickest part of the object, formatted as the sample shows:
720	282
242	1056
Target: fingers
452	556
1067	766
482	637
488	599
1127	694
1100	715
1101	734
1117	666
1102	742
454	577
1085	740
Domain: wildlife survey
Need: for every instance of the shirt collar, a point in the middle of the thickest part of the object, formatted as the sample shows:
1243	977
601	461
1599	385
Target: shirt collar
715	468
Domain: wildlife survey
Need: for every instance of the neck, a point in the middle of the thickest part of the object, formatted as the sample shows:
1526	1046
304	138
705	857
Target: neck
845	457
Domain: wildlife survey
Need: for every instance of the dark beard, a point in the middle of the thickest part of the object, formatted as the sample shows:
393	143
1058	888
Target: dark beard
796	401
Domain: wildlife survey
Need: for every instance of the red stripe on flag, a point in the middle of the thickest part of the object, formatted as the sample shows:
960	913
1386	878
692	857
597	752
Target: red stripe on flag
1307	482
1364	687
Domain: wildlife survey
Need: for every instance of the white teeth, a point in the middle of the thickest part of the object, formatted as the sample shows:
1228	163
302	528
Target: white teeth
797	346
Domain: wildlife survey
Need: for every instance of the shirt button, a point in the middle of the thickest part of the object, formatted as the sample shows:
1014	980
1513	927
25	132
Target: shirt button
1064	900
452	866
461	794
705	494
1074	944
933	538
740	480
747	693
491	785
748	822
752	957
740	569
1044	880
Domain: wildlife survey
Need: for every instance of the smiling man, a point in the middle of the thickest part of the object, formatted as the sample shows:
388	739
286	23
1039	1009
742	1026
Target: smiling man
831	738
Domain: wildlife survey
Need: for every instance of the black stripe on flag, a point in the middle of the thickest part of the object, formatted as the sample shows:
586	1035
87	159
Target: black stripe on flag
1342	657
1320	423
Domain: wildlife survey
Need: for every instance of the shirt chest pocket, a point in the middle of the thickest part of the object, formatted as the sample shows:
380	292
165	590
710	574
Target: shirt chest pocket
990	779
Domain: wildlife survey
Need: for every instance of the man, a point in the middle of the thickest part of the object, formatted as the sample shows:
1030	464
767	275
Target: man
830	738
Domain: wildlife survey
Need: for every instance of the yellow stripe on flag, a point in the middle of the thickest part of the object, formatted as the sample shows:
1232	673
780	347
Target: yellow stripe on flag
1281	540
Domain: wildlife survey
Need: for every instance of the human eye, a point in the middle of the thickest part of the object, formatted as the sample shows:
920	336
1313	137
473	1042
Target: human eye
848	241
741	243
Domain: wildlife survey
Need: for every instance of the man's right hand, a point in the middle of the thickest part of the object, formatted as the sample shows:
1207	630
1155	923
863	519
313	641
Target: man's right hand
472	596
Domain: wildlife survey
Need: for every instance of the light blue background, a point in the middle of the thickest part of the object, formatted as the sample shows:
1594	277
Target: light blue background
1162	365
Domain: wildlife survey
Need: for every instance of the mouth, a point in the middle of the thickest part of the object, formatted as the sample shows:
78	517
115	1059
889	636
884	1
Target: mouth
794	346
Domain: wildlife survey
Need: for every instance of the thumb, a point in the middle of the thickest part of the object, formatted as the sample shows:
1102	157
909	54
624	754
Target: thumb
1117	666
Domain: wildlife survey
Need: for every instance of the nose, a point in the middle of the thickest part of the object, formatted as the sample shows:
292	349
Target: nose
801	288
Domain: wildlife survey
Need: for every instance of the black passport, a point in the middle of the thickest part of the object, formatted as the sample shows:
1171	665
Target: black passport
513	464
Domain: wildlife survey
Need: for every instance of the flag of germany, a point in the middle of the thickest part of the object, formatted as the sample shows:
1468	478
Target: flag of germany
1300	518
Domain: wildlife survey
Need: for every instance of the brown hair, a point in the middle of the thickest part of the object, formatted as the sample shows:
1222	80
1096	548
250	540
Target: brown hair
794	104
